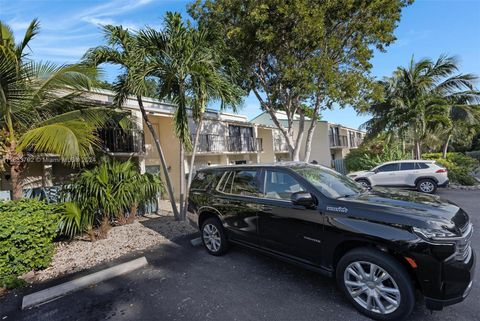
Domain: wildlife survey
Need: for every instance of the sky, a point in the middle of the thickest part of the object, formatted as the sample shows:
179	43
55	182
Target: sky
428	28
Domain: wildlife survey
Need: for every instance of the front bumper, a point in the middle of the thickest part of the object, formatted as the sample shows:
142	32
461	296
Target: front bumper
453	286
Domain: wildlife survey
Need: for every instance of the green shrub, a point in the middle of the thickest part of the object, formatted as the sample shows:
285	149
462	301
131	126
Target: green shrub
459	166
27	230
371	154
106	193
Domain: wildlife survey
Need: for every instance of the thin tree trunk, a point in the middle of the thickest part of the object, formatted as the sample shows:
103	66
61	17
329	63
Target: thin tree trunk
445	146
192	163
298	140
182	180
418	150
171	195
311	130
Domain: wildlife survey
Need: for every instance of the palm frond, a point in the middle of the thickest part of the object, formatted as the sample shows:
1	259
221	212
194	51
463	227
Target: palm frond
71	140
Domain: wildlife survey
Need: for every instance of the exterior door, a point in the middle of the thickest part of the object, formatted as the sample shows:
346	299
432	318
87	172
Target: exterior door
408	173
292	230
237	202
386	175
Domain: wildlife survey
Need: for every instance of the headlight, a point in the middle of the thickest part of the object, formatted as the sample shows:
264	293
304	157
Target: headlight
436	235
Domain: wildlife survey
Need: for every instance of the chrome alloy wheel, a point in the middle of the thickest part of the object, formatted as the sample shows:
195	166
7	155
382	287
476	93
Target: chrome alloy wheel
211	237
372	287
364	184
427	186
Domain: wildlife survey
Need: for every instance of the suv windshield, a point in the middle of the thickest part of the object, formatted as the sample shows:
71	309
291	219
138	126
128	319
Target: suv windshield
329	182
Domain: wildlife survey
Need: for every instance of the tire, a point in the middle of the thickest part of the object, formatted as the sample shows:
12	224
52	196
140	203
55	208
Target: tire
398	280
364	182
427	185
213	237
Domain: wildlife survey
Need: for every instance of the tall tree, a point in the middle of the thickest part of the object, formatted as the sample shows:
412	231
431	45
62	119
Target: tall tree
42	108
302	53
422	97
122	49
192	73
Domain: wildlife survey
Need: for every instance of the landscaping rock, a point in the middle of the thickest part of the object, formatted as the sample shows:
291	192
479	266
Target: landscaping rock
463	187
78	255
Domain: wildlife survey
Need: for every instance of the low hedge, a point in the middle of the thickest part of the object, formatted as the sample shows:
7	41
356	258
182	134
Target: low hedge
27	230
460	166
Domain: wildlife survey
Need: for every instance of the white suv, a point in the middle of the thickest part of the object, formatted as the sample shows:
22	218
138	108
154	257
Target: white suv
424	175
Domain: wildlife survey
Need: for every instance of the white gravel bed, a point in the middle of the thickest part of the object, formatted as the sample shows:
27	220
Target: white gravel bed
79	255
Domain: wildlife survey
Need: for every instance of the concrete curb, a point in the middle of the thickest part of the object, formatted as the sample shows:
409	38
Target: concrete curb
58	291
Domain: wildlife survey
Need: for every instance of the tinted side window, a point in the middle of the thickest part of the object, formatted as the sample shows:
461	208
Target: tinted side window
388	168
280	185
407	166
421	166
203	180
242	183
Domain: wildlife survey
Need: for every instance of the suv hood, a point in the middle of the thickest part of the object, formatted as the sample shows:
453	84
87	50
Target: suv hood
408	208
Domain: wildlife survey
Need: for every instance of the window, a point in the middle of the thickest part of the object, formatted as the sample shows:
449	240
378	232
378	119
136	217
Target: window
244	182
329	182
280	185
421	166
388	168
407	166
203	180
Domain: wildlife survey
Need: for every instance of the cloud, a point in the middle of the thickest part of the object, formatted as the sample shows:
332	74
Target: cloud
17	25
102	14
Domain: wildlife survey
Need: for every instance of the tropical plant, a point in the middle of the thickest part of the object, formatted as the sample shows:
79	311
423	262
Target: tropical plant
192	72
110	191
426	98
122	49
42	108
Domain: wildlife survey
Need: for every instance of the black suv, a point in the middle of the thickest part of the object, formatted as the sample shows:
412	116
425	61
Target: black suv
380	245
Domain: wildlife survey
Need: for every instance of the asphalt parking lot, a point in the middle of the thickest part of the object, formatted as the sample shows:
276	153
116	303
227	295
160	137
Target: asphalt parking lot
184	283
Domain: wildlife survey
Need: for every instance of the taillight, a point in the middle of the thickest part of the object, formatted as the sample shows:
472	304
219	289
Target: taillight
443	170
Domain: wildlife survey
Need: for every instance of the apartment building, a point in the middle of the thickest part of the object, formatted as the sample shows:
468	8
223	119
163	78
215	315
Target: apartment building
225	138
330	141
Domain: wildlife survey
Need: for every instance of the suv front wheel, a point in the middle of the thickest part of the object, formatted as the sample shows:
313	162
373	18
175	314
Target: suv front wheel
376	284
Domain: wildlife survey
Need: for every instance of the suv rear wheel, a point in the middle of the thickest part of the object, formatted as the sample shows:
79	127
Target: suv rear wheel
426	185
376	284
213	237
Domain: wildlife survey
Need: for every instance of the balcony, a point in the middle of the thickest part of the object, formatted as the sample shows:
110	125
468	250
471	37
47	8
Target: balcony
209	143
280	145
120	141
356	142
338	141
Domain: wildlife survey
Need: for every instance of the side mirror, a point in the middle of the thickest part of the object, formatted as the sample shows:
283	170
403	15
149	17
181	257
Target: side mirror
303	199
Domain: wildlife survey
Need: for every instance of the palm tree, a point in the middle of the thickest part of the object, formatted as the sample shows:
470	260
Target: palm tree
421	97
41	107
123	50
191	72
